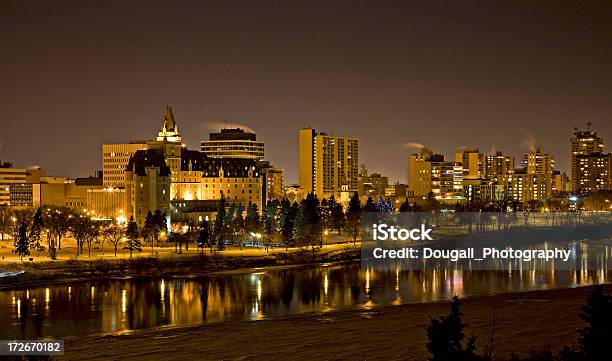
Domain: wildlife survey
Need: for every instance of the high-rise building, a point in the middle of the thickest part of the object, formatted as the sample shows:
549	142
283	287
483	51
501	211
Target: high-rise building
540	163
525	187
472	162
498	167
115	158
594	172
328	164
430	173
583	143
233	143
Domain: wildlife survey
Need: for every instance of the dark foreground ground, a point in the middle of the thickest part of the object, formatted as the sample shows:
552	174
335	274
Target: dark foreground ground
525	322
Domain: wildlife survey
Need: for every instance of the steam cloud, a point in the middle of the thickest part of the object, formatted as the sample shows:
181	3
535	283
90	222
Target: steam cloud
530	142
413	145
215	126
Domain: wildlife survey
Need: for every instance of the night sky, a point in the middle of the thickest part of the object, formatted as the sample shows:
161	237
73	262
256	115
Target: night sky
446	74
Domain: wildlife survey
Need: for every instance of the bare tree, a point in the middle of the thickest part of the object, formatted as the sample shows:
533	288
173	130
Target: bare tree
114	233
58	221
6	221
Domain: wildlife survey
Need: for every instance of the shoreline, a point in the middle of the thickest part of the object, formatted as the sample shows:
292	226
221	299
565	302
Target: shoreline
67	271
548	319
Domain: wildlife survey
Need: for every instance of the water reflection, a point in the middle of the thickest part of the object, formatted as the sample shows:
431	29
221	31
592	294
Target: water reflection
123	305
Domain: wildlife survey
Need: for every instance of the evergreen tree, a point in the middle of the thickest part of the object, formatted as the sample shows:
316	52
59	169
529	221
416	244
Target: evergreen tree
326	214
353	217
337	215
148	229
36	230
270	222
288	213
596	337
204	234
22	244
238	225
219	225
159	225
252	222
445	336
228	222
308	226
370	206
131	233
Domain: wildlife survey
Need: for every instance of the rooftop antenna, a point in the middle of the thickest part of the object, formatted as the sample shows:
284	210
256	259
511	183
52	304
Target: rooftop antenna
589	126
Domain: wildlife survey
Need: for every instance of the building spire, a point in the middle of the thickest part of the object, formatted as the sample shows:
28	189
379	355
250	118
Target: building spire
169	130
169	124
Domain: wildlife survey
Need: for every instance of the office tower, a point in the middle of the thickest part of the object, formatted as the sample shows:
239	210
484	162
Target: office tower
328	164
15	184
430	173
233	143
540	163
115	158
583	143
472	162
8	177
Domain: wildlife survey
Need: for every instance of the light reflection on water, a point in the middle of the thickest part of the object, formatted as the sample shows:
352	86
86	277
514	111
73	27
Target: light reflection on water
123	305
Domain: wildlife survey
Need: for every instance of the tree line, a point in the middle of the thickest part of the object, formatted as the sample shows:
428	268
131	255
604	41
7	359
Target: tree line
42	230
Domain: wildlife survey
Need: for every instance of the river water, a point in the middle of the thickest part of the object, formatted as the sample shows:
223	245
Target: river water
110	306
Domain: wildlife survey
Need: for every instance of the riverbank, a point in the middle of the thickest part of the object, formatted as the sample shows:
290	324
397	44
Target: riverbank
524	322
184	265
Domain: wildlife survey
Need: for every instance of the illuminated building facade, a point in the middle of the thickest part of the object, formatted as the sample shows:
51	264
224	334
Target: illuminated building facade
594	172
147	185
472	162
524	186
583	143
498	167
328	164
430	173
115	158
540	163
233	143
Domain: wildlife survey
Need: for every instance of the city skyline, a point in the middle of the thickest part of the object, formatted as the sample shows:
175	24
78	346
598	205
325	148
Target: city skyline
484	75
